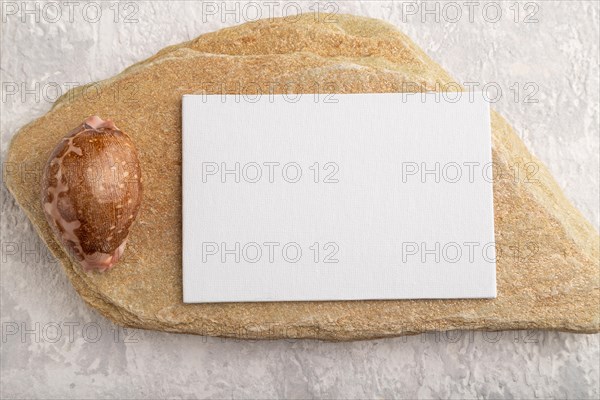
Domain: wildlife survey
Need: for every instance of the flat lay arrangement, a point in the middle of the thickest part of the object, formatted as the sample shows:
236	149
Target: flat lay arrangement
554	287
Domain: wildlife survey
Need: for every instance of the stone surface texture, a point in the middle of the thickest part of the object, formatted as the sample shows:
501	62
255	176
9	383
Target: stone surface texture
555	286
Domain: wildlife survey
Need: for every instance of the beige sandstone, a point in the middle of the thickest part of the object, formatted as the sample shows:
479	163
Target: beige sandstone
554	283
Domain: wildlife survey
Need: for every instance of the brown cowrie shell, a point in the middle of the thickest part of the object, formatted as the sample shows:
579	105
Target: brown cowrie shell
92	192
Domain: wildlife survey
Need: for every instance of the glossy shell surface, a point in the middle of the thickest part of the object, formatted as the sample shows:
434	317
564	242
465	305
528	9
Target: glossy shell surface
92	192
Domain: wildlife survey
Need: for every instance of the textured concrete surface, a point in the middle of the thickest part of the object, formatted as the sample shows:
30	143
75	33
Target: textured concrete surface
55	346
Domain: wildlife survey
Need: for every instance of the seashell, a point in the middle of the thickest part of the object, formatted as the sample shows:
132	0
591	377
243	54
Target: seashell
92	192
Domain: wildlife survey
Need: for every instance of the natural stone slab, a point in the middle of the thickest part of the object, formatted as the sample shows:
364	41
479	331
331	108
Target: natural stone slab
547	271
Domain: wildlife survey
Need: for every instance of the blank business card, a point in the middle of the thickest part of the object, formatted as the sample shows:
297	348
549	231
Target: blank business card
337	197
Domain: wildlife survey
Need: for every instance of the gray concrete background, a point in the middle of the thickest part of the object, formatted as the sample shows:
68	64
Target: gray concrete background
54	346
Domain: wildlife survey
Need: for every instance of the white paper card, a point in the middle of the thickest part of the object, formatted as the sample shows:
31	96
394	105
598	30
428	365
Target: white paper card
337	197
